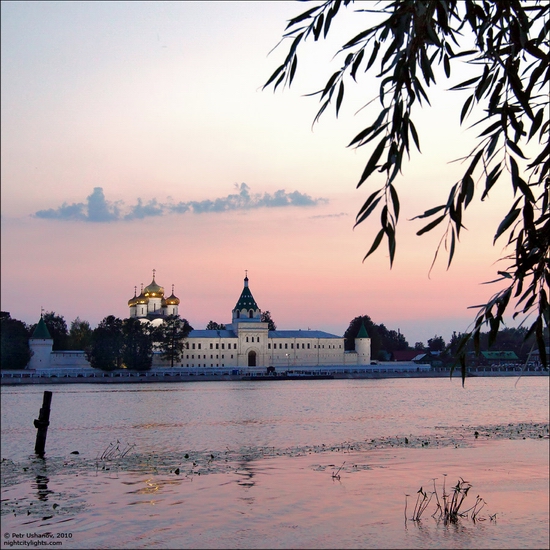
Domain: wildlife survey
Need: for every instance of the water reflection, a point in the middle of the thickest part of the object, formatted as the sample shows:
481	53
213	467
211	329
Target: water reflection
42	487
247	471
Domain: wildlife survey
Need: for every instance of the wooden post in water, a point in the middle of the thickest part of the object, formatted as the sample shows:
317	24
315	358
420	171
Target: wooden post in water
42	424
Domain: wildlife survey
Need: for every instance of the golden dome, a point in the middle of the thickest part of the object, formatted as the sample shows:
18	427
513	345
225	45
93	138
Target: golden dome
133	301
172	300
154	290
142	299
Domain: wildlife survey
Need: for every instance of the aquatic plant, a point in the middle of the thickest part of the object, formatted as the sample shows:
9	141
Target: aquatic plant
449	508
336	475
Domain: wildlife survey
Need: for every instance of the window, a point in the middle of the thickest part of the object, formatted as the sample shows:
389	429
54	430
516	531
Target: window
308	346
234	346
192	357
303	346
211	356
258	339
199	346
217	346
247	338
223	346
211	345
268	346
286	346
223	357
291	346
238	314
231	356
193	346
250	314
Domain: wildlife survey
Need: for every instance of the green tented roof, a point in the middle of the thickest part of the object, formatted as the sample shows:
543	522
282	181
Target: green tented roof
246	300
362	331
41	331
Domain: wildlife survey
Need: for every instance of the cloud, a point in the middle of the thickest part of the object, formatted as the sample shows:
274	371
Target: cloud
323	216
98	209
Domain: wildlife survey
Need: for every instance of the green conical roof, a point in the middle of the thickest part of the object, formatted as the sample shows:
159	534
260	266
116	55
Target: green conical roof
41	331
246	300
362	331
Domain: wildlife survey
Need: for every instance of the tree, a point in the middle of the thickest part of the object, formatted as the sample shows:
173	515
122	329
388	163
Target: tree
137	349
170	336
392	340
80	335
14	351
266	318
382	340
105	352
214	326
57	328
510	58
436	343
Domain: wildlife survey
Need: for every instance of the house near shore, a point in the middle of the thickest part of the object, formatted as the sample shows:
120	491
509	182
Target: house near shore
245	343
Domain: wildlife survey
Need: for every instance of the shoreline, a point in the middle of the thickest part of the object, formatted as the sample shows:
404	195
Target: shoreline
151	377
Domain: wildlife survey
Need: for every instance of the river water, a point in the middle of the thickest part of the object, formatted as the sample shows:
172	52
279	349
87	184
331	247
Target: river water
277	464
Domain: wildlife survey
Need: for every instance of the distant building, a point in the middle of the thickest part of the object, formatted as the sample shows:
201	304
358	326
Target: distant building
246	342
151	305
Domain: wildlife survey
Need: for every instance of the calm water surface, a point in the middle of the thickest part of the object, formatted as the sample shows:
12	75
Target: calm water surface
217	415
267	452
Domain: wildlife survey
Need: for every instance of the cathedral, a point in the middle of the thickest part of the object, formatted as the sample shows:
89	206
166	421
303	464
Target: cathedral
247	341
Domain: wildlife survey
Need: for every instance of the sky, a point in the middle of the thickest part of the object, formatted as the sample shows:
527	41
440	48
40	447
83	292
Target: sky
137	136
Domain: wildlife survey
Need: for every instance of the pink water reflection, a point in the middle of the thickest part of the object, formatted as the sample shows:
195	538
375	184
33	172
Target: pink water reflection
295	502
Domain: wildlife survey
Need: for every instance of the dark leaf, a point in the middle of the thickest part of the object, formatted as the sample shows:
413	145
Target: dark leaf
430	226
339	98
372	164
375	244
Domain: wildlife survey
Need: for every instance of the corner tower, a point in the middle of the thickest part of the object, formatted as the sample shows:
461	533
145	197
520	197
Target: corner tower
41	344
362	346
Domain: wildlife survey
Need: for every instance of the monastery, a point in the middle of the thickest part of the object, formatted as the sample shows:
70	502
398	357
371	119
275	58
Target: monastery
247	341
246	345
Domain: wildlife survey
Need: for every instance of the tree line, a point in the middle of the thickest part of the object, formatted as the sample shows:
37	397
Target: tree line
130	343
114	343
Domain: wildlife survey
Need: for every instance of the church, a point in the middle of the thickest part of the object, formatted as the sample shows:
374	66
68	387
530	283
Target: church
247	341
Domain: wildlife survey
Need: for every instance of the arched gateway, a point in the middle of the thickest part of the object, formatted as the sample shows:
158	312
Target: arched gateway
252	358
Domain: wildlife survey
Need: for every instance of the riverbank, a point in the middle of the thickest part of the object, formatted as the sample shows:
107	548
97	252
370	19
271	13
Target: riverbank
151	377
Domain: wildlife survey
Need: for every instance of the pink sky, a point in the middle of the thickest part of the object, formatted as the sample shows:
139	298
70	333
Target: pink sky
159	105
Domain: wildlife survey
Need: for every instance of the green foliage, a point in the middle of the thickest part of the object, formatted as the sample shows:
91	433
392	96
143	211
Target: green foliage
57	327
214	326
80	335
508	339
266	318
137	351
14	351
383	341
510	57
105	352
436	343
170	338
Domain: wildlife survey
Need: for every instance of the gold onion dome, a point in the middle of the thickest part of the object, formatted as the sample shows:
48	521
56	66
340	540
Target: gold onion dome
133	301
154	290
141	299
172	300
